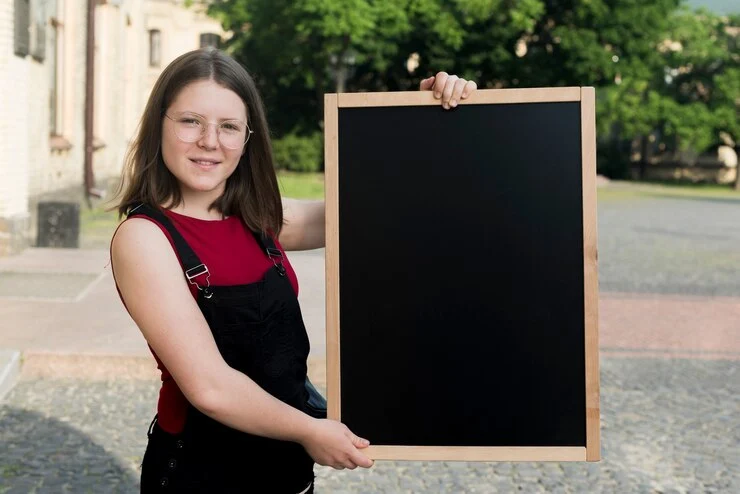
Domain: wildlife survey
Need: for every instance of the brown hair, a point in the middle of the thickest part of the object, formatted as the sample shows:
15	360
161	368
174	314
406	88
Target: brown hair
251	192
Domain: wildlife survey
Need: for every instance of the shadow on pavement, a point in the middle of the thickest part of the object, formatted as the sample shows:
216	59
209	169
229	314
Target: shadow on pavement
45	455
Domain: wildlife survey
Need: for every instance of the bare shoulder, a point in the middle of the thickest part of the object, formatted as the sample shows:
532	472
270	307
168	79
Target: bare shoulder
136	231
141	251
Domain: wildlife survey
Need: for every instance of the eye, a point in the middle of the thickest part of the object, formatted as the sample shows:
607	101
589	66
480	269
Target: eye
231	126
190	121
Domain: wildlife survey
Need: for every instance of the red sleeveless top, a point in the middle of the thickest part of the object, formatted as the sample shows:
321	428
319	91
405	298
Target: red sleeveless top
233	257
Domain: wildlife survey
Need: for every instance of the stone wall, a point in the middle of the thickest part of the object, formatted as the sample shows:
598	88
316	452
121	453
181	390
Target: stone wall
16	128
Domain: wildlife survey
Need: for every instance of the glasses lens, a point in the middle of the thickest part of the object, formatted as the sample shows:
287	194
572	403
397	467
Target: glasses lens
232	134
188	128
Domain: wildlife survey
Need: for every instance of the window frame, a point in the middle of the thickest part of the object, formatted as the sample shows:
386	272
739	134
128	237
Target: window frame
22	27
155	48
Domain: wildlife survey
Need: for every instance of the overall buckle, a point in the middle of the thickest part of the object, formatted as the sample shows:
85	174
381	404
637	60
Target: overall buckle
200	269
274	253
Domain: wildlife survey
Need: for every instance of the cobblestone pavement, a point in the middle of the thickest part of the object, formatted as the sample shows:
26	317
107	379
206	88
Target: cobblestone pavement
668	426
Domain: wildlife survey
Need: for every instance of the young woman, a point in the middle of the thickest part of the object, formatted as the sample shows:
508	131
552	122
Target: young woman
200	265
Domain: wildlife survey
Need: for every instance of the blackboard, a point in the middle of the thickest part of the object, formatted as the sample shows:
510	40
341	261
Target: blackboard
462	285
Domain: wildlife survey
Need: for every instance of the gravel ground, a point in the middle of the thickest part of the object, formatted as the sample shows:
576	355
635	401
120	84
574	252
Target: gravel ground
668	426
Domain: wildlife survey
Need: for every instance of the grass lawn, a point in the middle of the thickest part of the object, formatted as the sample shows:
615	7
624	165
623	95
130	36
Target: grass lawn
623	191
301	185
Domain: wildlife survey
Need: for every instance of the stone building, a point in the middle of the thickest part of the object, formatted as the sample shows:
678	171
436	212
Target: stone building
43	92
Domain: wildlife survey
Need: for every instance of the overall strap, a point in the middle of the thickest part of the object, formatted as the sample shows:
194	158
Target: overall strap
268	245
191	263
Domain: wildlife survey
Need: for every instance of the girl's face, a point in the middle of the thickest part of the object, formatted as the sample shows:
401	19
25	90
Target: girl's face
202	166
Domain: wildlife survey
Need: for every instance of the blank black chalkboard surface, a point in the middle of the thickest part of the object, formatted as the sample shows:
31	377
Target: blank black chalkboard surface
462	285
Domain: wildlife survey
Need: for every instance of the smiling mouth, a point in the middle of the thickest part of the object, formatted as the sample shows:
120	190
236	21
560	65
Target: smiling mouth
205	162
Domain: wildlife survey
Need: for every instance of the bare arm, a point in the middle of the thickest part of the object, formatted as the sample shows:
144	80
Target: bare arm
303	225
152	284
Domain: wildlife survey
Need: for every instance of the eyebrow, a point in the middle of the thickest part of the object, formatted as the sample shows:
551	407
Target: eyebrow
204	117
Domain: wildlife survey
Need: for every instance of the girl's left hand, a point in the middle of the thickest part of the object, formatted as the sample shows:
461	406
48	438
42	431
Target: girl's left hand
449	88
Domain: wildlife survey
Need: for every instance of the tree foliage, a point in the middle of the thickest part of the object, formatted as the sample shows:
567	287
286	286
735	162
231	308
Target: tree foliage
703	78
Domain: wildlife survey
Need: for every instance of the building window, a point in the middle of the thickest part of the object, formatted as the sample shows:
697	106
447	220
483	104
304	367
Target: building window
37	46
155	48
21	26
210	40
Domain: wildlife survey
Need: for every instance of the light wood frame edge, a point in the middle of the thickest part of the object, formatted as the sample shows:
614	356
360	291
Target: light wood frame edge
479	97
590	273
331	195
475	453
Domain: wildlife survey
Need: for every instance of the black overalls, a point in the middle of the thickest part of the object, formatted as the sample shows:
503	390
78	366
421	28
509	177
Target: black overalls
259	330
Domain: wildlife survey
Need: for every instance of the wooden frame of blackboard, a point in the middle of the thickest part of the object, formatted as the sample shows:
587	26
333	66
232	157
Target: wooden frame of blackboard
586	97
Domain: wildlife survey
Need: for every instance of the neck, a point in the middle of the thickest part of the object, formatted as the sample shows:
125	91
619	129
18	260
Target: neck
196	206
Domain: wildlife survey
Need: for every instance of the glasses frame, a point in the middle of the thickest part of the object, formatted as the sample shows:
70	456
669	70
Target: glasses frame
218	131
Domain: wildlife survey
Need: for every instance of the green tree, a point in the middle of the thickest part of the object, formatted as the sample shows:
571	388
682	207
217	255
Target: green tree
702	78
662	72
612	45
475	39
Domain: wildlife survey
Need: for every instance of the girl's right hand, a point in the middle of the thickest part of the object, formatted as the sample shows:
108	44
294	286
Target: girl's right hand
331	443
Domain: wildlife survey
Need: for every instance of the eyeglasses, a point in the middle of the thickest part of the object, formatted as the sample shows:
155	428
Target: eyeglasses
189	127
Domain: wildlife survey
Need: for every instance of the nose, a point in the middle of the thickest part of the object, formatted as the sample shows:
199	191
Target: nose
209	139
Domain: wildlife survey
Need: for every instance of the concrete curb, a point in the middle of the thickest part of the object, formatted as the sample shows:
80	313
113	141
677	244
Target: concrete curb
99	367
92	367
10	369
